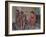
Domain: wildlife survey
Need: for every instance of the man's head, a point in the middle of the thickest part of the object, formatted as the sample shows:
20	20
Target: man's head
32	13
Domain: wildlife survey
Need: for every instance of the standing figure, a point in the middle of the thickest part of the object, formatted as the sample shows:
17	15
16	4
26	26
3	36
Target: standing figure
32	19
22	20
17	17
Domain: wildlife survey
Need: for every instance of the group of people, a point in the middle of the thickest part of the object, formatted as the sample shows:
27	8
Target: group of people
20	19
22	23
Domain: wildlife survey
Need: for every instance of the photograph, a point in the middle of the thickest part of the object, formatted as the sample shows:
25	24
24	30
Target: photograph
24	18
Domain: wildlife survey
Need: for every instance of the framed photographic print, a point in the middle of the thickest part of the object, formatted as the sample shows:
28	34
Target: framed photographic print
24	18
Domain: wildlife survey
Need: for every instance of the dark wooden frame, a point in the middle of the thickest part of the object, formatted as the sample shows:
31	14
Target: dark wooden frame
6	17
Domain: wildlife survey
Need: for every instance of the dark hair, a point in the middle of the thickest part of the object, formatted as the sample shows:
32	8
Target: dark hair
17	10
32	12
22	12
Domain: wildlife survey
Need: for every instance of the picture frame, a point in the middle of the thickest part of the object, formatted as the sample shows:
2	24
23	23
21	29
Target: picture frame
11	6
